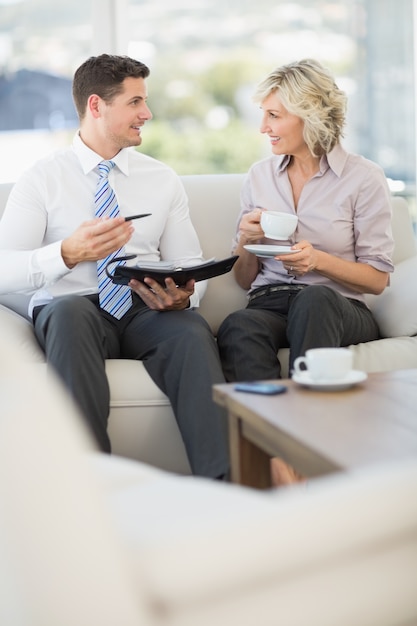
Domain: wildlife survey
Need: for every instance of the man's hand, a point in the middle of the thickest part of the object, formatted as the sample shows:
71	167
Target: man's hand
96	239
159	298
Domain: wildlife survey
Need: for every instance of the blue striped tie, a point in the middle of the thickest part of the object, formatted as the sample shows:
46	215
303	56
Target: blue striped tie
115	299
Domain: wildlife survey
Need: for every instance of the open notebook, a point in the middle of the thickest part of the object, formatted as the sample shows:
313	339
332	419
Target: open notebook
164	269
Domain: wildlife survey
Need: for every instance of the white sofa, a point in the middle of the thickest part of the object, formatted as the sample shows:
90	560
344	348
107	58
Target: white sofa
88	540
142	425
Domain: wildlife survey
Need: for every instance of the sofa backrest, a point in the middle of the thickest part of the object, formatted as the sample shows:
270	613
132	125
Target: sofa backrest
403	231
214	201
5	189
214	206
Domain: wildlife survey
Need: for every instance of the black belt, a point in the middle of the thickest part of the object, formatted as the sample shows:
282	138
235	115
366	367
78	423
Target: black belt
265	291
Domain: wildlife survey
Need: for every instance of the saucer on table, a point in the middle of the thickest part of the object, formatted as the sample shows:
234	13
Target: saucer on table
353	378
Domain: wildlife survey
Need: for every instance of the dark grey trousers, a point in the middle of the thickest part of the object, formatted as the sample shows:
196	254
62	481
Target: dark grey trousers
177	349
314	317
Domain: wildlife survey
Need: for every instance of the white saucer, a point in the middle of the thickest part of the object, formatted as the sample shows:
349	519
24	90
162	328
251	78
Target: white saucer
353	378
264	250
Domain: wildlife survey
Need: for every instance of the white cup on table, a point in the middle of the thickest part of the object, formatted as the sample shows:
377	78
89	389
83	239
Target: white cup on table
325	363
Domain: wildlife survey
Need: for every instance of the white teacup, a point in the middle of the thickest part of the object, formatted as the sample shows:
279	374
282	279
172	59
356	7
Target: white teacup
325	363
278	225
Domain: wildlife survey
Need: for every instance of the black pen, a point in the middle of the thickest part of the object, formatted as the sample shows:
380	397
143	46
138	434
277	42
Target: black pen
136	217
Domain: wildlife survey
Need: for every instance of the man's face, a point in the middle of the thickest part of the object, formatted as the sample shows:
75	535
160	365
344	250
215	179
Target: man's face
123	118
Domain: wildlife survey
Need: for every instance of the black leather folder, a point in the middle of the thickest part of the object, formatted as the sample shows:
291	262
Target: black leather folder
122	274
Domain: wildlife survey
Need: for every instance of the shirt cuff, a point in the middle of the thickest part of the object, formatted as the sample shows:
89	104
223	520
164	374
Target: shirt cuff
49	263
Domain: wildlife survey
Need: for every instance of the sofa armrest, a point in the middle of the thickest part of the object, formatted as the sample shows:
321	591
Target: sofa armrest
17	302
395	310
336	545
20	331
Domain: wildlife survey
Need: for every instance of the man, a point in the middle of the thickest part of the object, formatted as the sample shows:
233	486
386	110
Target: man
64	220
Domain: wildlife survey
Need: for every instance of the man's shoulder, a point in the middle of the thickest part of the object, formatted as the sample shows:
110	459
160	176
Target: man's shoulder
144	160
54	159
48	167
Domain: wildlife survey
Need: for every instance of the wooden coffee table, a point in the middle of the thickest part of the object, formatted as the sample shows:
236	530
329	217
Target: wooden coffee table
319	432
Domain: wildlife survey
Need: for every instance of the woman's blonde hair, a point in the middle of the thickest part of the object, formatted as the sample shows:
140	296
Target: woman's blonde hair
308	90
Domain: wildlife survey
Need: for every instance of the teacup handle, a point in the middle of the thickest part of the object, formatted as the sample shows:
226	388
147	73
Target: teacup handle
300	360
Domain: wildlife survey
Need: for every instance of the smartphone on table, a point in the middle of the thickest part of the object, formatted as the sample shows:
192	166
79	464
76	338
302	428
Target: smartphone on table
263	388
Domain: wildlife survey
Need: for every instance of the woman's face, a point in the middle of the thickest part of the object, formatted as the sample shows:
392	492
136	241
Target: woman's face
284	129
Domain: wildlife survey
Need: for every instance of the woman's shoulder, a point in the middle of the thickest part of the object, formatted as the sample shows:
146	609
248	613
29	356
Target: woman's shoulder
351	160
268	164
362	162
355	167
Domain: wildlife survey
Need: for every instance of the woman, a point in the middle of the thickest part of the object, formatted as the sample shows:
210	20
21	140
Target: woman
342	246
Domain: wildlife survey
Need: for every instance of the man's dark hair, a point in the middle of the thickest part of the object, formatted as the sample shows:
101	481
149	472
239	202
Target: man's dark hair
103	75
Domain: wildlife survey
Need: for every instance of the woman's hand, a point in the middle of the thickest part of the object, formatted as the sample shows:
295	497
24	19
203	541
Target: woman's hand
302	261
360	277
247	266
250	230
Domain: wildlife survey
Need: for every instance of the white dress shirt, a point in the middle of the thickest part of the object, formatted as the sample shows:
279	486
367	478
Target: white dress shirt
56	195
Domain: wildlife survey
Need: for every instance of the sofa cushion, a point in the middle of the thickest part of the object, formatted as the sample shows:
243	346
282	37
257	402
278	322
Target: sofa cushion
385	355
17	302
395	310
21	331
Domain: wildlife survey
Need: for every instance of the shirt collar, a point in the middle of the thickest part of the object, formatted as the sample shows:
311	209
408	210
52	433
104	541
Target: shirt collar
90	159
335	159
283	163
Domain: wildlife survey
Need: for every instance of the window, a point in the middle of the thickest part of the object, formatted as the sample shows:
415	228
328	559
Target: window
41	44
206	57
206	60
